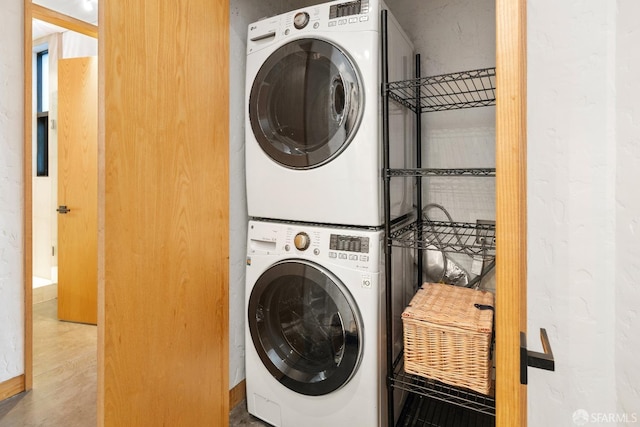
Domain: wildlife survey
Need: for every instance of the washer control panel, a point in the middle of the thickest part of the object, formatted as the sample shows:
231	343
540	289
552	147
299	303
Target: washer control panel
359	249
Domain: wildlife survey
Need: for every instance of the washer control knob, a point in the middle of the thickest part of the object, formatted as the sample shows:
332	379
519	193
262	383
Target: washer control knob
300	20
302	241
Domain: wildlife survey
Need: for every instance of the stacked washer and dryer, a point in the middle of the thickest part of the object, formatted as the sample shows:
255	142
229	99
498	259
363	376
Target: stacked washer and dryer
315	291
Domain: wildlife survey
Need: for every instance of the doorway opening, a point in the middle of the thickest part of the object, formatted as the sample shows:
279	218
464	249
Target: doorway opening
55	352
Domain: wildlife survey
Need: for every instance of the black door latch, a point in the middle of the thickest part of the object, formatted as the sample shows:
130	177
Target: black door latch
533	358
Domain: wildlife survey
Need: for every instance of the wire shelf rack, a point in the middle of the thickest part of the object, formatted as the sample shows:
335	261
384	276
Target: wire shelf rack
459	397
465	89
460	237
422	411
489	172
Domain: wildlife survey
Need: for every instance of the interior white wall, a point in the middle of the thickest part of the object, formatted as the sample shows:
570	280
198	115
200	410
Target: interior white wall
627	205
11	186
70	8
583	209
242	13
76	45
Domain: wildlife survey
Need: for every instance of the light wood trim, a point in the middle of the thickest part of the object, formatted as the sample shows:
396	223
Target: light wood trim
27	256
65	21
164	328
11	387
237	394
511	209
101	212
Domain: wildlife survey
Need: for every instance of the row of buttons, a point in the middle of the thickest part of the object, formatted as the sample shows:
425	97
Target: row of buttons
350	21
350	257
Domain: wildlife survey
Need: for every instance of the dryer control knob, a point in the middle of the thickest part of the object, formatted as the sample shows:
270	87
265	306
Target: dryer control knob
302	241
301	20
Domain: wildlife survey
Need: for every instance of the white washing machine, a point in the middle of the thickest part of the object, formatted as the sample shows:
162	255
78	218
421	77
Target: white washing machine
315	332
313	125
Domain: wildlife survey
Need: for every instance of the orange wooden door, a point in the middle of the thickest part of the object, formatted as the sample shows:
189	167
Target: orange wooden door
78	189
163	329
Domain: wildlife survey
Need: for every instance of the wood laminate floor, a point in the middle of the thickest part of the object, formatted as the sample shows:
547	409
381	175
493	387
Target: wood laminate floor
65	376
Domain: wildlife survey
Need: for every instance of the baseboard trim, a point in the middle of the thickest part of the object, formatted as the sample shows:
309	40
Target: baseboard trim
11	387
237	394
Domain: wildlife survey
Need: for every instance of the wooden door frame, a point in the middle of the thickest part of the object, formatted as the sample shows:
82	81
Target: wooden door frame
34	11
511	209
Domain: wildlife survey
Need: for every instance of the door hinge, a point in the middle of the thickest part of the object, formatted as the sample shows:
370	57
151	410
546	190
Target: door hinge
533	358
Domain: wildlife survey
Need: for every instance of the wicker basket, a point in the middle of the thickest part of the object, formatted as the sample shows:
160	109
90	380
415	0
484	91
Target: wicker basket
447	337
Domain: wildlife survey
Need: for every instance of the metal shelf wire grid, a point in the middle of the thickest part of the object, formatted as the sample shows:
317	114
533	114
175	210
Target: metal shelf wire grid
465	89
472	239
436	390
489	172
422	411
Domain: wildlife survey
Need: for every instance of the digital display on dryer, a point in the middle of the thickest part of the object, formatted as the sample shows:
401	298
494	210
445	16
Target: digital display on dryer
340	242
347	9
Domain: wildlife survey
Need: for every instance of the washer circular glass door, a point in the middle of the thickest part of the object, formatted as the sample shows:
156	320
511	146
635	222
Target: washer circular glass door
305	327
306	103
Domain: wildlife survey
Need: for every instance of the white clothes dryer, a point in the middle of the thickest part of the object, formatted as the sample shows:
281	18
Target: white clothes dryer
313	124
315	332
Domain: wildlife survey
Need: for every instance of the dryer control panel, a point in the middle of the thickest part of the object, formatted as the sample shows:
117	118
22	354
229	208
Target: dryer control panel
335	16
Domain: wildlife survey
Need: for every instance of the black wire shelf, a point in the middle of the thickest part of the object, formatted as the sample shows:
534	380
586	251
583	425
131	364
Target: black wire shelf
422	411
465	89
474	172
440	392
458	237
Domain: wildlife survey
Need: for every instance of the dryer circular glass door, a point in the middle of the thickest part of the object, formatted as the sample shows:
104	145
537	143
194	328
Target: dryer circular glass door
306	103
305	327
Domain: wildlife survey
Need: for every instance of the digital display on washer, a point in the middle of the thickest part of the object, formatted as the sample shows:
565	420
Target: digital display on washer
347	9
340	242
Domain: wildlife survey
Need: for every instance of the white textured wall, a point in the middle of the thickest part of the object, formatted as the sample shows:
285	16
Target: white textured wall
11	236
584	209
242	13
627	204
